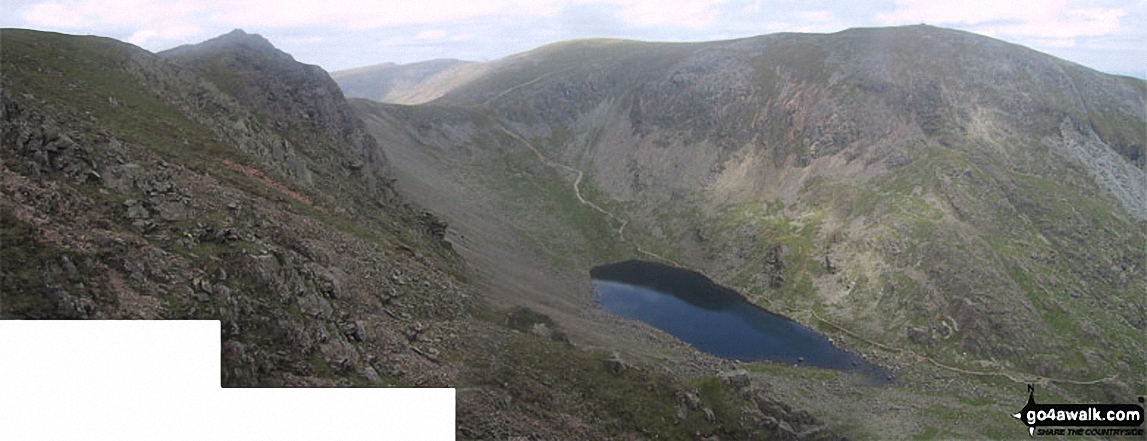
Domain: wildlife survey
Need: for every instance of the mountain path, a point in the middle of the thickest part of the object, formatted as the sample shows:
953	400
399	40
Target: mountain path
621	234
527	83
582	199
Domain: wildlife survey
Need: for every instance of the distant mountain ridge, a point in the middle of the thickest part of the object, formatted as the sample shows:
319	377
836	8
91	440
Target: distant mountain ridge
868	58
413	83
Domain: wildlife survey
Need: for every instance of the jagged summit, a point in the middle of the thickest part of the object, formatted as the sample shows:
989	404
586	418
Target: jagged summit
236	40
289	95
193	160
241	37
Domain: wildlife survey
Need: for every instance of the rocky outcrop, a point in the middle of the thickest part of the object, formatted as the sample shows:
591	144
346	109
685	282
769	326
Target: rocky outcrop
524	319
774	268
115	231
302	125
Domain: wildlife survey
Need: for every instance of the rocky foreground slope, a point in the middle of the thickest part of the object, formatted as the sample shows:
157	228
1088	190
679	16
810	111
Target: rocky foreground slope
227	181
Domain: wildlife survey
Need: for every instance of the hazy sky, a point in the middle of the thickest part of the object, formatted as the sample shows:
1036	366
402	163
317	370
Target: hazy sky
339	34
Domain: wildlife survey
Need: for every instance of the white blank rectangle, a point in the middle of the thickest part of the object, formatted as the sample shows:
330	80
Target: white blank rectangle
146	380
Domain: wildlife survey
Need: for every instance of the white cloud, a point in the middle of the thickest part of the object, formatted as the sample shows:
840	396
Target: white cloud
315	39
805	21
813	28
351	14
140	11
53	15
168	32
1075	23
79	13
147	21
373	14
493	28
370	14
431	34
687	14
812	15
439	35
142	36
1057	42
347	14
971	11
1052	19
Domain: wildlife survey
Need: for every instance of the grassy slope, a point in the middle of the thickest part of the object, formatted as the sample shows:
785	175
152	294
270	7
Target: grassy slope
84	73
898	243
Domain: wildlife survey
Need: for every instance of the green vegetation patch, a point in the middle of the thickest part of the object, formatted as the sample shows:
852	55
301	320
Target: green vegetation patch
559	378
89	77
41	280
572	234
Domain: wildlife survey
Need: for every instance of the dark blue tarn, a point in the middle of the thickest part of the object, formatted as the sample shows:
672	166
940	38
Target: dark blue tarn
713	318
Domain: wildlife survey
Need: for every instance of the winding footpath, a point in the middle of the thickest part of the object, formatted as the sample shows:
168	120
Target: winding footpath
583	200
621	234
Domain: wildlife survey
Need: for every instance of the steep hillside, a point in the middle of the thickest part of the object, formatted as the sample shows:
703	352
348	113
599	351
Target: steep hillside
134	188
967	211
226	181
322	141
413	83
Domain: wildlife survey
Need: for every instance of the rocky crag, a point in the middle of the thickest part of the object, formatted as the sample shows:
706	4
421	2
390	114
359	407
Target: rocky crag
226	181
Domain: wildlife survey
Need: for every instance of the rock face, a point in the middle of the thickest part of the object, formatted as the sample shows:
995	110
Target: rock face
165	198
299	101
226	181
778	101
953	179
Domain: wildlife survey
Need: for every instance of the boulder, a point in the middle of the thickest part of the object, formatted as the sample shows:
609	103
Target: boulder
738	379
615	365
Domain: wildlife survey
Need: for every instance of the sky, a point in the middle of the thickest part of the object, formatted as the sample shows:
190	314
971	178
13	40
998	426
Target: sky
1107	35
